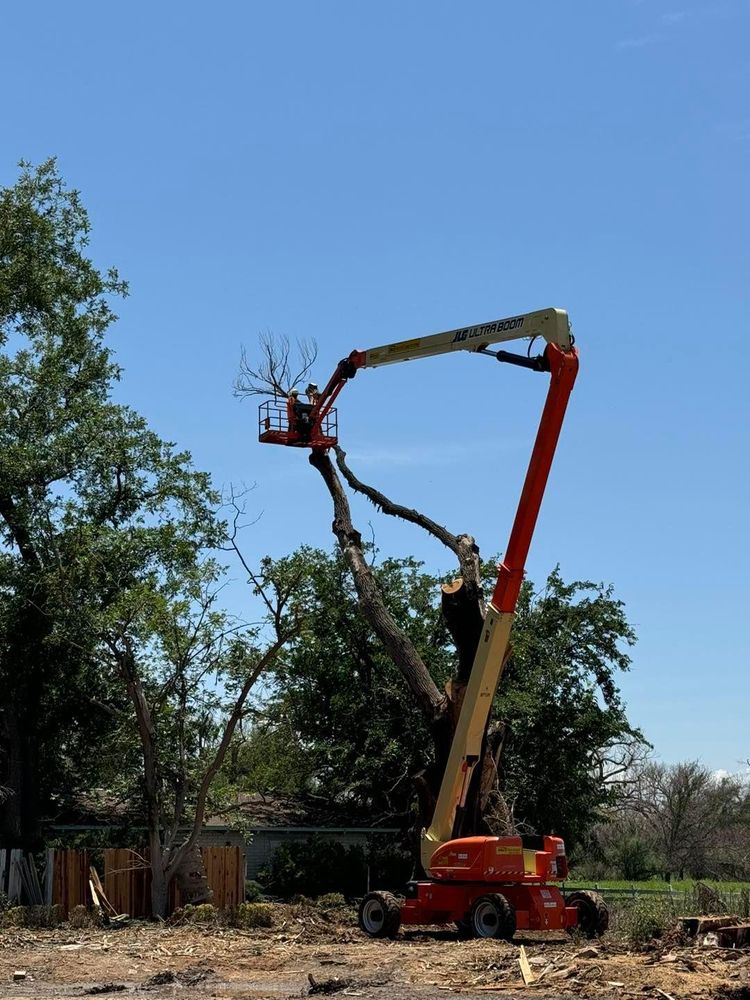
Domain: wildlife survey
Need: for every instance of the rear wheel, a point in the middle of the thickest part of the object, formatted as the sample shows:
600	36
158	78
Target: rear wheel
380	915
593	915
492	916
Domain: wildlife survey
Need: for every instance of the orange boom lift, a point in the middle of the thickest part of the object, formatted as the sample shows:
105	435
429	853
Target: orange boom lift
487	886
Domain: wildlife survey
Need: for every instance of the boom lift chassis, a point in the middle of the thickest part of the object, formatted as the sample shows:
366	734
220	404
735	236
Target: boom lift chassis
487	886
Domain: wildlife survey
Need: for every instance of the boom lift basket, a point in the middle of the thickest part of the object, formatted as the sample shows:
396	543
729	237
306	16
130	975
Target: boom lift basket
274	425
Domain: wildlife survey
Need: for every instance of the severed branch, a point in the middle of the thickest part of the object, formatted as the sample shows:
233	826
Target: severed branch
398	645
462	600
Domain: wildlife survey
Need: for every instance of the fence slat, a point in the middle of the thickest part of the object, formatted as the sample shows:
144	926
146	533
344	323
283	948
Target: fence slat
127	879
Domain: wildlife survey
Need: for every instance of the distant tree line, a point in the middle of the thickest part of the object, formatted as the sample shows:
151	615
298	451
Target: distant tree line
674	822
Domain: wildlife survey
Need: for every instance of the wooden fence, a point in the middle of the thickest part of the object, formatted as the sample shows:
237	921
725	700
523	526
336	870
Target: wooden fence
127	879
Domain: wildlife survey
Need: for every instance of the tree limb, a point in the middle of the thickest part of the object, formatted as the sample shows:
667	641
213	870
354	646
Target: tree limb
398	645
463	603
210	773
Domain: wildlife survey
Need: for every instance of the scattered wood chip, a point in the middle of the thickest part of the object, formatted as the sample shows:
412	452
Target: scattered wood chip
667	996
19	975
528	975
567	973
589	952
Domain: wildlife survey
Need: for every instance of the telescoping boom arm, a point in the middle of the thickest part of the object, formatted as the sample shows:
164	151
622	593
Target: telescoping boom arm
560	359
552	325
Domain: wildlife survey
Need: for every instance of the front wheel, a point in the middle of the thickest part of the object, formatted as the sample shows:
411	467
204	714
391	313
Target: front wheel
492	916
380	915
593	915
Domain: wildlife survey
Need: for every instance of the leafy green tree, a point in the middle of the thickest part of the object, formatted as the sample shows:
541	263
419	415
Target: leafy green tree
84	486
362	740
187	668
559	707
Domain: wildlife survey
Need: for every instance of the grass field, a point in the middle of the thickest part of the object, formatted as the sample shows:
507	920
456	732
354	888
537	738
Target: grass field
656	884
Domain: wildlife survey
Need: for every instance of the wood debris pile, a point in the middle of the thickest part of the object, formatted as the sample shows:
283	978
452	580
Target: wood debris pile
305	952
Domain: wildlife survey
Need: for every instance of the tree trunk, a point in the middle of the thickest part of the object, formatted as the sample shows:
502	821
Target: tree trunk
464	619
464	615
190	875
21	823
11	778
398	645
159	883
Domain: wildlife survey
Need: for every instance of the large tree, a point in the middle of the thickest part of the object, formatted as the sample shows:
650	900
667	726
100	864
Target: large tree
359	742
187	668
88	495
462	610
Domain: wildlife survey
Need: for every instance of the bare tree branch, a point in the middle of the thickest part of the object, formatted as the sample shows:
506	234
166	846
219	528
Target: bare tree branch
276	372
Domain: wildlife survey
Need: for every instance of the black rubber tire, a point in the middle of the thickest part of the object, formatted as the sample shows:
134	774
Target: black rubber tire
463	928
492	916
379	915
593	915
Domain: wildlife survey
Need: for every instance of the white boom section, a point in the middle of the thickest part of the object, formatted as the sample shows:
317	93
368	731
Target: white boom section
486	671
552	324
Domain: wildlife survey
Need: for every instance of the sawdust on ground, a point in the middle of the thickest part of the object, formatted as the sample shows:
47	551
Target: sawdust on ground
304	955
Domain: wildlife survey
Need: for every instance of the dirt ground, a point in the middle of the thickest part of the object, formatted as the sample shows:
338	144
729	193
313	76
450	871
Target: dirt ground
303	956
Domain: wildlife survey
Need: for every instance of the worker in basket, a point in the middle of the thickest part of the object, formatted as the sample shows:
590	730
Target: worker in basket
298	415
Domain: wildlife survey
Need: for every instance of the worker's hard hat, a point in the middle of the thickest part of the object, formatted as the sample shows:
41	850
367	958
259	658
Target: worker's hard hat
312	387
294	392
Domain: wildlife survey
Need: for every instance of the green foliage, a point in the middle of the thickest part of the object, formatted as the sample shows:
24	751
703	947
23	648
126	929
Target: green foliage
95	509
391	864
633	858
331	901
684	886
328	871
203	913
247	915
339	720
250	915
345	724
560	704
646	919
254	891
317	867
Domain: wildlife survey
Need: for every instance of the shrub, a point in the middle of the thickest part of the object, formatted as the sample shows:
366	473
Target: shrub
204	913
31	916
253	891
390	865
647	919
14	916
633	859
330	900
251	915
316	867
80	917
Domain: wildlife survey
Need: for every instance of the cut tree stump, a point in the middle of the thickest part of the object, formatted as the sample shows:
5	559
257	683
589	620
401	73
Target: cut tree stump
734	937
696	926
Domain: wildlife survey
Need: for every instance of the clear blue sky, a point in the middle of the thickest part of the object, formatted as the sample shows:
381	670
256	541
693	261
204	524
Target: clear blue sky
365	172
